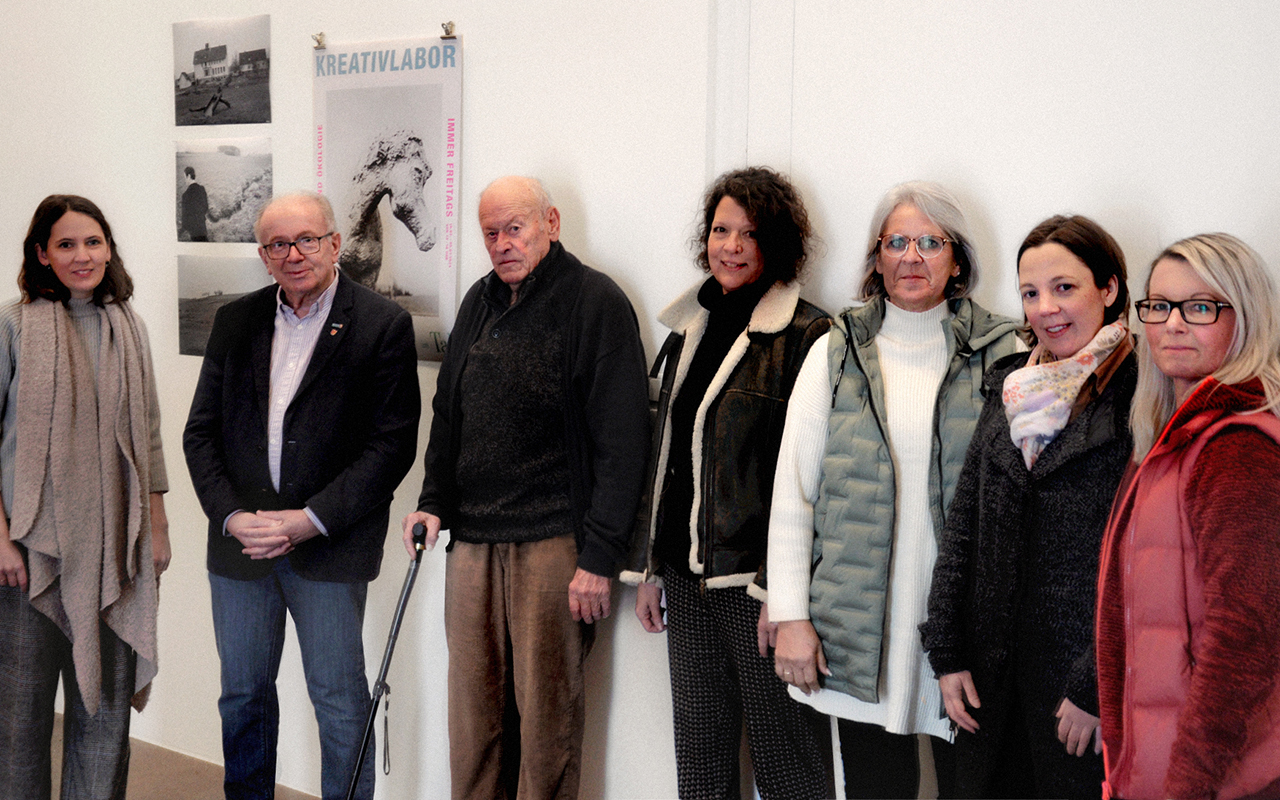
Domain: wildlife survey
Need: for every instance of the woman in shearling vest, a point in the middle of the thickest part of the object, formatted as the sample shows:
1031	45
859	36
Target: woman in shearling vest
878	425
1010	629
1188	635
738	340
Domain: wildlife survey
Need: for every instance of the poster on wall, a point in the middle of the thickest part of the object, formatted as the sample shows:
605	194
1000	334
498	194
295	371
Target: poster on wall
221	184
206	284
222	71
387	146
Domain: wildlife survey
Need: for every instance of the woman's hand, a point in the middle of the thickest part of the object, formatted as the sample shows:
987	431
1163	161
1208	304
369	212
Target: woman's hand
161	552
13	572
798	657
957	689
649	607
1076	727
766	632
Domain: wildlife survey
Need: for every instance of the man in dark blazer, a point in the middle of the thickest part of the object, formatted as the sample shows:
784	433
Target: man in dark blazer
304	421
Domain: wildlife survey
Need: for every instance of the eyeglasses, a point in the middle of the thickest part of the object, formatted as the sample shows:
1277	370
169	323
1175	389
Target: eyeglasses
1193	311
307	246
928	246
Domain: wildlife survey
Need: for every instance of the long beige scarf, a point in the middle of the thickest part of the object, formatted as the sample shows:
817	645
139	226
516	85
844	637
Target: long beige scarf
81	482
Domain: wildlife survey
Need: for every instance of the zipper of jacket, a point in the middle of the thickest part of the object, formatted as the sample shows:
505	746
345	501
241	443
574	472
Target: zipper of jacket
884	440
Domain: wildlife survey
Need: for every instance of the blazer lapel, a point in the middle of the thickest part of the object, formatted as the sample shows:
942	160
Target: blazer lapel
331	336
260	352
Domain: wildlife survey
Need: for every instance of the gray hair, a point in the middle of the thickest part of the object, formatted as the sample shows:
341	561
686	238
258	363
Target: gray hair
943	210
321	202
541	197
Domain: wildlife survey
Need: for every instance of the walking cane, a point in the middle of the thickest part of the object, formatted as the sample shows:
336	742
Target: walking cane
380	687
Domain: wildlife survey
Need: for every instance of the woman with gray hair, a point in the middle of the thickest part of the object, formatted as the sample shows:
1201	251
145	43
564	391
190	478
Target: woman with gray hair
876	433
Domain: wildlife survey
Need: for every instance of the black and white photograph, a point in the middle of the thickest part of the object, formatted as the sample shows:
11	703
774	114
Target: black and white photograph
221	184
207	283
387	154
222	71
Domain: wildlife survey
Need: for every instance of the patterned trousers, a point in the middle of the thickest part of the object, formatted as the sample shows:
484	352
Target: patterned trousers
718	677
34	653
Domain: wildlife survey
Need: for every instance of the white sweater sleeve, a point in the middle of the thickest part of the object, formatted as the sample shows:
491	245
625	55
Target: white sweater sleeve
795	487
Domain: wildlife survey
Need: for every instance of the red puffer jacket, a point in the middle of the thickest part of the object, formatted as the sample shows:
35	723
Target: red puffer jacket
1188	637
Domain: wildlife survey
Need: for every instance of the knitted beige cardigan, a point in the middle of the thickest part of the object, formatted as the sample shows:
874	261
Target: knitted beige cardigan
82	476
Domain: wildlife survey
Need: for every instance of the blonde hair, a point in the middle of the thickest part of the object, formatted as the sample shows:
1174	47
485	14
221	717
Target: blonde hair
1236	274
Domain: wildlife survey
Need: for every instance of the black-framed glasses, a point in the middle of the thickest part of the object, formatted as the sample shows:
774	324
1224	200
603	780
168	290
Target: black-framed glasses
928	246
1195	311
307	246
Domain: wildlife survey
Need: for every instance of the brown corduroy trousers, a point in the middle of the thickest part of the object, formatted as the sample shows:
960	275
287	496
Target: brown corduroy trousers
516	705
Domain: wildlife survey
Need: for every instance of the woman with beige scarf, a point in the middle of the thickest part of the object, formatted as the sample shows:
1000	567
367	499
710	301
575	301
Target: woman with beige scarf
1010	628
83	536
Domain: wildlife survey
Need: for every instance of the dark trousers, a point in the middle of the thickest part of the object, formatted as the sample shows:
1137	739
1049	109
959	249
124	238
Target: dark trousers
717	678
34	653
248	626
1016	752
879	764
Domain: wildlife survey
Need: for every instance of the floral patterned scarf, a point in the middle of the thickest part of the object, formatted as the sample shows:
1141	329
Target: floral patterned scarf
1038	397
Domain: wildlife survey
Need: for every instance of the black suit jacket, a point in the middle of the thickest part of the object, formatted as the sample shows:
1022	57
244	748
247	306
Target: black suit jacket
350	432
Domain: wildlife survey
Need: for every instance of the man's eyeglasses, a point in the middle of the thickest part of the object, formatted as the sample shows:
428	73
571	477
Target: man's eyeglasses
307	246
1193	311
928	246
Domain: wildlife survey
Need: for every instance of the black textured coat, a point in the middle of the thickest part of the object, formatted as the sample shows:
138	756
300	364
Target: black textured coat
606	415
1015	583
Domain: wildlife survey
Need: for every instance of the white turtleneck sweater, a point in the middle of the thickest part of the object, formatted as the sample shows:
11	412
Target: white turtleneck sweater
913	359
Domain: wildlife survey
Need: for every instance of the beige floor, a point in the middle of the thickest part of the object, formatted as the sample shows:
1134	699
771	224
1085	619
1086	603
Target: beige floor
159	774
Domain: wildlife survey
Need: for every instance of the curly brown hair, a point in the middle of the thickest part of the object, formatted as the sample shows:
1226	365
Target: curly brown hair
773	205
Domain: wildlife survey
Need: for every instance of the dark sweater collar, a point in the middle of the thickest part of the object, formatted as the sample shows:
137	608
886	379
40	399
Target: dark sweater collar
736	305
497	291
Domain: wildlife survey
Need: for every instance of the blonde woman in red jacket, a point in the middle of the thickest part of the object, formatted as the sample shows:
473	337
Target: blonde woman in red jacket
1188	636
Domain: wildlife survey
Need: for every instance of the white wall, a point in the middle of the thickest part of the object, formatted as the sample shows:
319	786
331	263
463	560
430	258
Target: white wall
1156	118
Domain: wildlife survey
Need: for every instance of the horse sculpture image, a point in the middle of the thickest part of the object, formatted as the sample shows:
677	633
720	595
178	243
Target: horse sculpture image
397	166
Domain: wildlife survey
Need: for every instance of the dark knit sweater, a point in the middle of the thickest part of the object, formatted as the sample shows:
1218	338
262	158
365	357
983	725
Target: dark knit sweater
513	475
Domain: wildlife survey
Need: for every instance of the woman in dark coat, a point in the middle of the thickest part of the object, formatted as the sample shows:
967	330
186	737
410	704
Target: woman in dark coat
1010	628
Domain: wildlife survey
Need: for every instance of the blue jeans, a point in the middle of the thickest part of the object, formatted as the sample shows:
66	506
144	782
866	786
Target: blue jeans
248	623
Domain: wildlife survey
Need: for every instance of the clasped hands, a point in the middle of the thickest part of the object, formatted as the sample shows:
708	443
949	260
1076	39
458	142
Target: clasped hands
271	534
797	652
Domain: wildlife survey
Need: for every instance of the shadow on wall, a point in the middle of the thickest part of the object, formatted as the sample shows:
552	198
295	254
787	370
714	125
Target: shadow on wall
598	683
